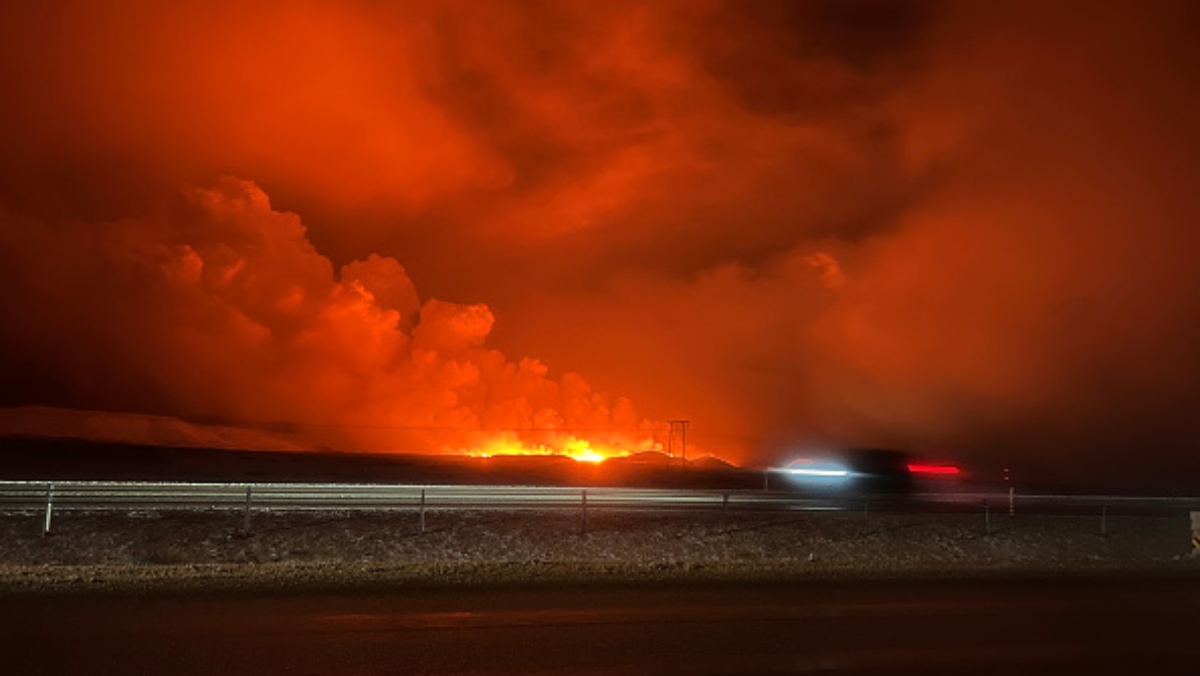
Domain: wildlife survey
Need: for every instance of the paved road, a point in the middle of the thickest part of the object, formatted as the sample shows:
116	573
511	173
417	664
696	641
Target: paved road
939	627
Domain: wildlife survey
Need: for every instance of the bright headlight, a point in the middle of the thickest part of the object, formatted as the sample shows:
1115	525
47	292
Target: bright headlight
816	469
812	471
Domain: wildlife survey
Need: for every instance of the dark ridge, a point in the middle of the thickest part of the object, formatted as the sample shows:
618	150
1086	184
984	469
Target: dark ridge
38	459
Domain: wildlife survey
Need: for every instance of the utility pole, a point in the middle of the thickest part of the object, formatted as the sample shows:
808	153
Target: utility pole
677	433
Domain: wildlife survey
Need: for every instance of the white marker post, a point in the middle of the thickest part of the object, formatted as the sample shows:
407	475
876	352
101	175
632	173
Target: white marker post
49	509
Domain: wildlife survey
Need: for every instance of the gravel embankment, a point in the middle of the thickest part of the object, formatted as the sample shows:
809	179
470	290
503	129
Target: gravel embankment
149	550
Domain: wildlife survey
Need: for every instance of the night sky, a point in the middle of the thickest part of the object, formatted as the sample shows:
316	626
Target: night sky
968	228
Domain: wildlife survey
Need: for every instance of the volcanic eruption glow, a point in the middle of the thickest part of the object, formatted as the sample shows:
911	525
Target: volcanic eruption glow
242	320
572	447
400	227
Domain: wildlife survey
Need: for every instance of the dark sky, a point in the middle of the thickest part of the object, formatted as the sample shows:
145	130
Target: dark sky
967	227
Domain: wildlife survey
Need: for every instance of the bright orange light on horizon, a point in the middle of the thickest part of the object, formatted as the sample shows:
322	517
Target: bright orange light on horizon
588	455
579	450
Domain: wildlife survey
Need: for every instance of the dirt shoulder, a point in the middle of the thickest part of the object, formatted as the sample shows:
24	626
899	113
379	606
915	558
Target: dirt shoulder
208	550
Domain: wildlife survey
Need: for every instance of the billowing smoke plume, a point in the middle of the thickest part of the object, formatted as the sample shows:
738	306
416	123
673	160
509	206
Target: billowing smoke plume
958	226
221	309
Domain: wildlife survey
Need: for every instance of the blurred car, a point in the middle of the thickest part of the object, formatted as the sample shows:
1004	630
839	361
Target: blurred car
863	471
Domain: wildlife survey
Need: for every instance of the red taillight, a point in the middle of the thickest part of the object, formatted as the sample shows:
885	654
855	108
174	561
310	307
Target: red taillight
941	470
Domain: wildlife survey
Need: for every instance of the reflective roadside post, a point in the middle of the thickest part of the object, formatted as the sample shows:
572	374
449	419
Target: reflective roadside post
583	525
866	522
987	518
1012	493
725	512
422	510
49	509
246	514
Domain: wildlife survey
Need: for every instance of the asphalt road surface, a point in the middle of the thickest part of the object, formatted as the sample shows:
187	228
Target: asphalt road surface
1095	626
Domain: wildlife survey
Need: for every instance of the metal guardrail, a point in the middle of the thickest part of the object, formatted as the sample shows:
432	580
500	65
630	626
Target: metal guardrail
293	496
133	495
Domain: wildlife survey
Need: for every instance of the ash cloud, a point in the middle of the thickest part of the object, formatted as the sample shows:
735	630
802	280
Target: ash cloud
959	227
221	309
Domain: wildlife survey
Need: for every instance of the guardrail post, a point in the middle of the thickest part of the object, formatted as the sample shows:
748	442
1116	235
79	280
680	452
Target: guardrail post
725	512
987	518
584	523
1104	520
1195	534
246	514
422	510
49	509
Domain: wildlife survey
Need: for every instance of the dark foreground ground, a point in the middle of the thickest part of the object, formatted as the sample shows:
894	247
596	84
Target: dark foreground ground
1094	625
290	550
535	593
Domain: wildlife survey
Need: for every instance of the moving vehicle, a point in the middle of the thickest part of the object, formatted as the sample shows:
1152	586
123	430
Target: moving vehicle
863	471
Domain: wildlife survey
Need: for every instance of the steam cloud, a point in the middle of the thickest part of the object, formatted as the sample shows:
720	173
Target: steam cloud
944	226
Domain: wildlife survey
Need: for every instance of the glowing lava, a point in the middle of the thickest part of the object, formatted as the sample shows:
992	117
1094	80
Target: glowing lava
574	448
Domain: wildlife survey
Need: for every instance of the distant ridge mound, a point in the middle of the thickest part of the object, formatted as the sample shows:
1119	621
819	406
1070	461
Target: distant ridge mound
44	422
710	462
652	458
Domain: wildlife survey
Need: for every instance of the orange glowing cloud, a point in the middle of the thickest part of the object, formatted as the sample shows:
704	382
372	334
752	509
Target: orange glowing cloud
233	315
884	222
